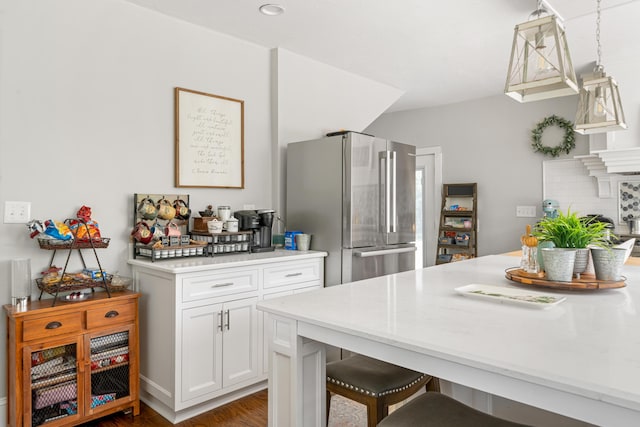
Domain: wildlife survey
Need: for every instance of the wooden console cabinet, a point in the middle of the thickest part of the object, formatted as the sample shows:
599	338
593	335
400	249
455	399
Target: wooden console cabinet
74	362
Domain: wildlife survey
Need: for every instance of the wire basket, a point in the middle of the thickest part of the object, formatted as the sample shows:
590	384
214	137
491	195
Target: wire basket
55	244
70	283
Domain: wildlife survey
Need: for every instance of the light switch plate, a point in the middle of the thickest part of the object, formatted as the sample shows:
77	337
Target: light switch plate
526	211
17	212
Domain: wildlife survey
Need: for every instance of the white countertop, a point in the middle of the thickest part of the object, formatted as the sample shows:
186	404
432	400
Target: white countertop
207	263
588	345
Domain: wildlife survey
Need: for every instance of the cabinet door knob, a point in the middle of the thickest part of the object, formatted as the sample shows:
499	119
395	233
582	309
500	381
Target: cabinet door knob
53	325
111	314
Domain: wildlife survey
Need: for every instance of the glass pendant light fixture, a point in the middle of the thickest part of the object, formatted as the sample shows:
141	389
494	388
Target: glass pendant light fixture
540	66
599	106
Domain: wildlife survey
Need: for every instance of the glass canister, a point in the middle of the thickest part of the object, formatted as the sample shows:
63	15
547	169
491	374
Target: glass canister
224	213
20	281
532	262
278	233
524	259
529	262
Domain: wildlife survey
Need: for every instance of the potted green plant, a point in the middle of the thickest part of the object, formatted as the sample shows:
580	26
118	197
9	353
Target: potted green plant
570	231
571	235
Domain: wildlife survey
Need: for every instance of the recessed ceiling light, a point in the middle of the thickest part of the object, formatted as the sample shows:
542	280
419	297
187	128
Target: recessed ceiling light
272	9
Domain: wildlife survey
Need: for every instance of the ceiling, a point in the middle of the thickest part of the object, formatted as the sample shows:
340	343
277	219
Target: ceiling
436	52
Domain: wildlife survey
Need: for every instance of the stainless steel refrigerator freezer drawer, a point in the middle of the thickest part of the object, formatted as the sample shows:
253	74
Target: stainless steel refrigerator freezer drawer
364	263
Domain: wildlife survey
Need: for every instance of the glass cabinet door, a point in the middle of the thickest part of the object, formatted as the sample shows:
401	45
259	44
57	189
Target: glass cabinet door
110	377
53	383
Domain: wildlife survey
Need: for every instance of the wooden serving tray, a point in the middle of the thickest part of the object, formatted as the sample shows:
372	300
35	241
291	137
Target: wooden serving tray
586	282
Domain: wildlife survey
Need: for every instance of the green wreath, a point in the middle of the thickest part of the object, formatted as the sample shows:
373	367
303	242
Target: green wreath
568	142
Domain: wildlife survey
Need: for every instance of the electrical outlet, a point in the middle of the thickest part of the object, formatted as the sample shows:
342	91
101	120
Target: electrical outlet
249	207
17	212
526	211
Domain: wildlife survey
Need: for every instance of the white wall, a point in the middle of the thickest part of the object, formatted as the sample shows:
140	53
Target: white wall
86	116
488	141
568	182
312	99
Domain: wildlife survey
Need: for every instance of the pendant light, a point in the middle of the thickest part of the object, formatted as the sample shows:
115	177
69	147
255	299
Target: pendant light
540	66
599	106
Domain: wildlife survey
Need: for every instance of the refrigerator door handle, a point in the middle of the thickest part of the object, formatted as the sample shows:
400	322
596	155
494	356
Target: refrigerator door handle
366	254
393	220
386	157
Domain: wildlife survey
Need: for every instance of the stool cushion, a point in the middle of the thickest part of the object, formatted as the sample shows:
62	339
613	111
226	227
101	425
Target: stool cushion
439	410
371	377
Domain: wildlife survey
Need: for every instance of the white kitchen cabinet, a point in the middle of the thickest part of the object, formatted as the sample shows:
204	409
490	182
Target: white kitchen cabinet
240	341
294	273
226	339
202	369
265	325
286	279
201	337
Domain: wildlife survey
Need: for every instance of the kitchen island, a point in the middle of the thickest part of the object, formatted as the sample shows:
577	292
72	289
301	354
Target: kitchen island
201	336
579	358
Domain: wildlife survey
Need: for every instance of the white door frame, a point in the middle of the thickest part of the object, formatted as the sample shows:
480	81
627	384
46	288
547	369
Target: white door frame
432	200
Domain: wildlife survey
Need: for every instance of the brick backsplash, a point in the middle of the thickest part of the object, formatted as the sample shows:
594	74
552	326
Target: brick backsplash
568	182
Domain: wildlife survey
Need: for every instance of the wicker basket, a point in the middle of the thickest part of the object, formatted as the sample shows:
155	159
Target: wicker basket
120	284
54	244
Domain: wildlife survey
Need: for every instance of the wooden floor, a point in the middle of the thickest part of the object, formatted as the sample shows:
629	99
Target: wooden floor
250	411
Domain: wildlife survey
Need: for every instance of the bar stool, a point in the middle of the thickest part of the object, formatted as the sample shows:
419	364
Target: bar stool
375	384
439	410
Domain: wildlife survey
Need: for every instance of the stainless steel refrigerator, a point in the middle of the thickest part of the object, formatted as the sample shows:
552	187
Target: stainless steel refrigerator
355	194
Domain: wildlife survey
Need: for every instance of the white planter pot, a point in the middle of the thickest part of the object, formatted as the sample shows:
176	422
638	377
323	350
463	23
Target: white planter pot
582	259
608	262
558	264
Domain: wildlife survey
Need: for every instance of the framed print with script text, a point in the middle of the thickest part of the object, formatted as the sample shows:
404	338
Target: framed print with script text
209	140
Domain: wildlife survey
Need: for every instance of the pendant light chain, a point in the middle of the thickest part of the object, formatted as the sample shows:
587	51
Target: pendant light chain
599	48
540	10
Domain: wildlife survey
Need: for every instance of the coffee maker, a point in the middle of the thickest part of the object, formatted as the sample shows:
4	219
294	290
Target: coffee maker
259	222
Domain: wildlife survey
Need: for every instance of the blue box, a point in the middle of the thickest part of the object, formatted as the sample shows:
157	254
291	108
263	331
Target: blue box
93	273
290	240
